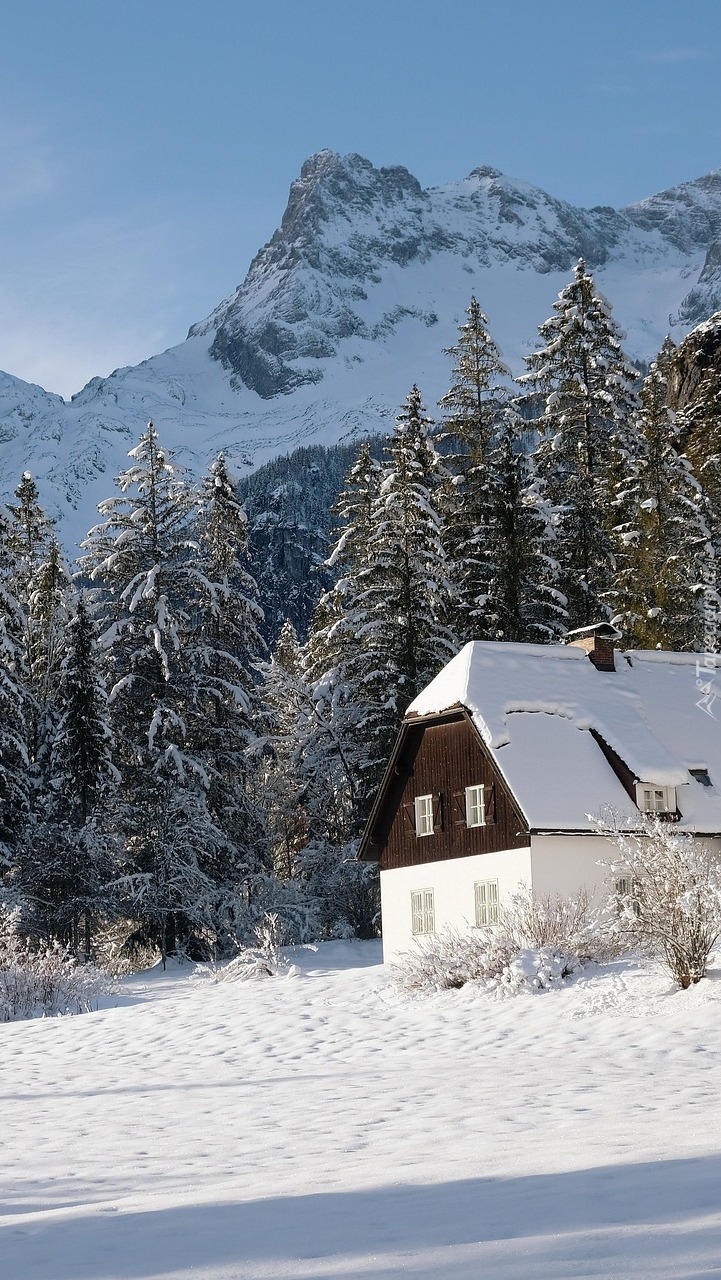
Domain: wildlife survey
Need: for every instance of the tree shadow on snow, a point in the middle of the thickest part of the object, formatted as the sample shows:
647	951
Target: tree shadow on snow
660	1219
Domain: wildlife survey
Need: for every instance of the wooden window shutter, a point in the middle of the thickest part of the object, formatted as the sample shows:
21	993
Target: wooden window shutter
491	803
429	911
459	808
438	813
409	820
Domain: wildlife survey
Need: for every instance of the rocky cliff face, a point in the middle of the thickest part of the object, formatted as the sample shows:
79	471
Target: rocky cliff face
698	356
353	300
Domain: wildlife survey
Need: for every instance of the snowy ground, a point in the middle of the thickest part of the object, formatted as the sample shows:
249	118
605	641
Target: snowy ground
325	1126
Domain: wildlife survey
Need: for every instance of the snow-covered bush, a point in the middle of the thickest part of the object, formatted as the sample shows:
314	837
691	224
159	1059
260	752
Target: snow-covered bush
40	983
537	943
265	960
567	925
451	959
669	898
537	969
296	909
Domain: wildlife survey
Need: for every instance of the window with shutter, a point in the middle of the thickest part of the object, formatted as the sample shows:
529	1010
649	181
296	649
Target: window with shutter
423	916
476	806
409	820
424	815
627	893
486	892
491	803
459	808
429	911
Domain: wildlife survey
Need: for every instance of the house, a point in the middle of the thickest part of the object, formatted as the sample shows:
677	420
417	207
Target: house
505	758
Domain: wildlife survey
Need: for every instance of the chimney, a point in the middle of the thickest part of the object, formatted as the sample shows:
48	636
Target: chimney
598	641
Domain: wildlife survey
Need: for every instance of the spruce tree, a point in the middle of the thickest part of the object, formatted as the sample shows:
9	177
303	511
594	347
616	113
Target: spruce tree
663	539
223	649
69	849
30	534
47	613
142	559
470	406
515	569
471	410
285	694
40	582
405	594
585	440
335	658
14	706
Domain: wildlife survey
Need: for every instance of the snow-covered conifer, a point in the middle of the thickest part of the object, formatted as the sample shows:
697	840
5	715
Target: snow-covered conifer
663	540
143	560
585	444
405	635
470	406
335	658
471	409
14	704
30	534
223	649
285	694
513	550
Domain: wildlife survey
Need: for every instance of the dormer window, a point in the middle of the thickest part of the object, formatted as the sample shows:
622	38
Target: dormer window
651	799
702	776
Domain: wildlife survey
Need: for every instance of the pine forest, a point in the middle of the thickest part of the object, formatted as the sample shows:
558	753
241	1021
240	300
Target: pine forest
194	717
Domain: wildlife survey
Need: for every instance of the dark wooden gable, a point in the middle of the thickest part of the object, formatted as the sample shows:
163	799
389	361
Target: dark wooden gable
440	757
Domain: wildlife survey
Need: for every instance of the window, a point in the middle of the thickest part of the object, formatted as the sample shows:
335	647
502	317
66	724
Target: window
423	916
655	799
475	806
486	903
627	891
424	815
702	776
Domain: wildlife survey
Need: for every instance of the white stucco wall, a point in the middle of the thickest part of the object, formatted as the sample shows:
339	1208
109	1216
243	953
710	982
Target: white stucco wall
563	864
554	864
452	882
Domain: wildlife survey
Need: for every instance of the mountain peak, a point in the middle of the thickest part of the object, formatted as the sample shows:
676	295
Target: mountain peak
485	171
354	298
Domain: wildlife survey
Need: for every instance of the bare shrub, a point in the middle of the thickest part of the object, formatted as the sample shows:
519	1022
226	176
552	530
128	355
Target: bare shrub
451	959
36	983
567	925
266	960
270	935
538	943
673	906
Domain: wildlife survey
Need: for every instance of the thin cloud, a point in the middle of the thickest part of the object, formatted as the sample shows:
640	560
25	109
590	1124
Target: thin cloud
668	56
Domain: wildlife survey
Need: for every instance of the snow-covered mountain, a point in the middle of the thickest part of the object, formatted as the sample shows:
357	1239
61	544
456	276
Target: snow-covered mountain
353	300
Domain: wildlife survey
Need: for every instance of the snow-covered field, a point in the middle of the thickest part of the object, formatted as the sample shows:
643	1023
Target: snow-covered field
323	1125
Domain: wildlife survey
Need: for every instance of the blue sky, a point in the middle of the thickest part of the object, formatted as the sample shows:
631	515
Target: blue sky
147	146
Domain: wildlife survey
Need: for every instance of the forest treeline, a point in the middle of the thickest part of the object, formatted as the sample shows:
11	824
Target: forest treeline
165	779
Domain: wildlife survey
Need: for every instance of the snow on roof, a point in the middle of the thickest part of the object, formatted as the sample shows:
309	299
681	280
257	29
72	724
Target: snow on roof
535	706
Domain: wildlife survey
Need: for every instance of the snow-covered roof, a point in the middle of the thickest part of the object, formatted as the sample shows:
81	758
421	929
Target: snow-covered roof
536	705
